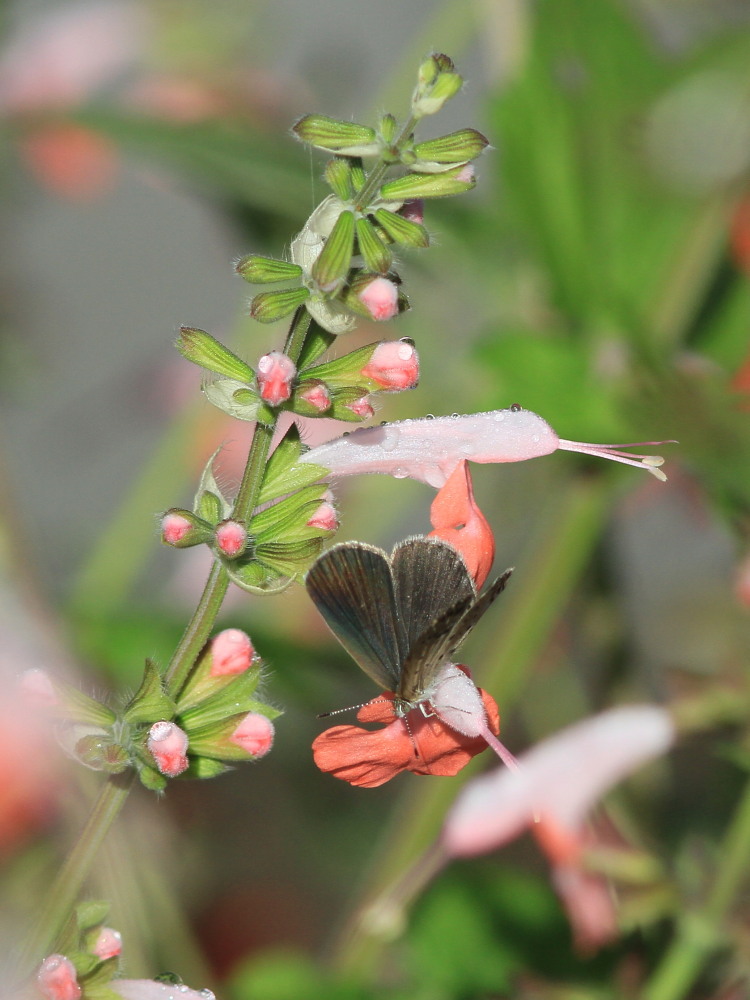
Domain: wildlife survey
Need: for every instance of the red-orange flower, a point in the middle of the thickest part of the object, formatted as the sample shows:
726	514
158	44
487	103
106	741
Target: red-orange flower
369	758
457	519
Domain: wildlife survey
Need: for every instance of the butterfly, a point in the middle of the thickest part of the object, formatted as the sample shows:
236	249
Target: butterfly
402	616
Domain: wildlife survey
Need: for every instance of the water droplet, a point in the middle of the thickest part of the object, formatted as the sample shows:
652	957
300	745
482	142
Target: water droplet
207	994
383	423
515	407
455	416
429	416
400	473
499	416
346	434
390	441
406	340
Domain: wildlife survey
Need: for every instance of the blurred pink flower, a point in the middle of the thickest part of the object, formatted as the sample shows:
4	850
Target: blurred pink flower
108	944
57	979
149	989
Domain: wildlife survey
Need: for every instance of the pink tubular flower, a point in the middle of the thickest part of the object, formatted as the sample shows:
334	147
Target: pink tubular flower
275	375
254	734
380	298
232	652
174	528
429	449
57	979
317	395
325	517
168	744
457	519
394	365
414	742
108	944
231	538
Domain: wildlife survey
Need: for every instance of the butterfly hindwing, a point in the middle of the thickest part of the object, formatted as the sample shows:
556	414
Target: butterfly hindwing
352	587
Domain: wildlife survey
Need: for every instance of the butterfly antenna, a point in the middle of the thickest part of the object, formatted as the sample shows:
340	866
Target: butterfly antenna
351	708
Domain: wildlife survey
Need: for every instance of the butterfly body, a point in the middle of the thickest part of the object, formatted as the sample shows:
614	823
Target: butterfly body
402	616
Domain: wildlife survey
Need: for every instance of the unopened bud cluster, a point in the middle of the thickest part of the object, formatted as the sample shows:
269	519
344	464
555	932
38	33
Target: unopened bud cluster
216	719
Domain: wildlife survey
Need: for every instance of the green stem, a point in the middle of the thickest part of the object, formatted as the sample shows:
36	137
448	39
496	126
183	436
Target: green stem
699	933
198	629
372	183
62	894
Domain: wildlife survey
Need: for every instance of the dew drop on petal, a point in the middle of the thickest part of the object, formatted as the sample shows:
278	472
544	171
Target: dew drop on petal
400	473
390	441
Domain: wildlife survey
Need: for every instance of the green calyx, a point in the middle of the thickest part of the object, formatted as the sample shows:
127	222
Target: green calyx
259	270
346	138
268	307
435	185
332	265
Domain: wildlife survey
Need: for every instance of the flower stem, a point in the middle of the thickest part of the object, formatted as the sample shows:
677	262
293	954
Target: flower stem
699	933
372	183
62	894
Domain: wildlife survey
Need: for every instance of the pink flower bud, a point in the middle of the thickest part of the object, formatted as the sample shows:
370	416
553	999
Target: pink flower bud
168	744
37	687
361	407
231	538
108	944
413	210
394	365
254	734
325	516
275	375
174	528
231	652
317	395
57	979
380	298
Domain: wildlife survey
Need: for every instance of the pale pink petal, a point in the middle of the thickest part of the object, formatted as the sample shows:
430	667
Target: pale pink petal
231	652
394	365
254	734
276	373
561	778
148	989
588	902
57	979
429	449
380	298
168	744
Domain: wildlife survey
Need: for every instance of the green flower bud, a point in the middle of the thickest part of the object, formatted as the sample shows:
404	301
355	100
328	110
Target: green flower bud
332	265
150	703
401	230
346	138
204	350
377	256
268	307
101	753
388	129
458	147
150	777
338	176
436	83
456	180
265	270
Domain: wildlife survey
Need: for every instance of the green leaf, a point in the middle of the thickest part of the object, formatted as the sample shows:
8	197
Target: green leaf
207	352
287	517
230	699
283	474
150	703
236	399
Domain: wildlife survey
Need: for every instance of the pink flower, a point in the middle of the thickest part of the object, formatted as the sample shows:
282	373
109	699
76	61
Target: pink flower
168	744
394	365
36	685
254	734
317	395
174	528
380	298
414	742
231	538
429	449
57	979
232	652
457	519
325	517
275	375
361	407
108	944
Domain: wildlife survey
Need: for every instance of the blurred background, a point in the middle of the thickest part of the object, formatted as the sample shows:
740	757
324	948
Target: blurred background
598	275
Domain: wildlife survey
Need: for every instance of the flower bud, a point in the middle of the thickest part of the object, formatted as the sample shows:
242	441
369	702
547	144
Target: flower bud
325	516
377	256
361	408
415	185
315	394
254	734
231	538
57	979
379	297
394	365
458	147
265	270
182	528
333	263
344	138
267	307
204	350
338	176
231	652
436	83
402	229
108	944
276	372
168	744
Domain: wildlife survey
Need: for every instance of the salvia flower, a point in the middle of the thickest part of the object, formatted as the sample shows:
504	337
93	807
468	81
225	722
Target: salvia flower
231	653
254	734
57	980
150	989
168	744
275	375
108	944
429	449
380	298
456	518
325	517
394	365
231	538
422	744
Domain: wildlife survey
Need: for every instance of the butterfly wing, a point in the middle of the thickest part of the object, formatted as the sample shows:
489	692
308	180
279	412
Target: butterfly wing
352	587
434	589
472	615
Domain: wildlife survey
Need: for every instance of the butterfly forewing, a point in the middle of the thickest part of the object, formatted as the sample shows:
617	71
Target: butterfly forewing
352	587
429	578
429	654
475	612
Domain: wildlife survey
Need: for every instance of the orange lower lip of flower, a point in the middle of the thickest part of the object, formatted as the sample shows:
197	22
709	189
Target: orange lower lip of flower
368	758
